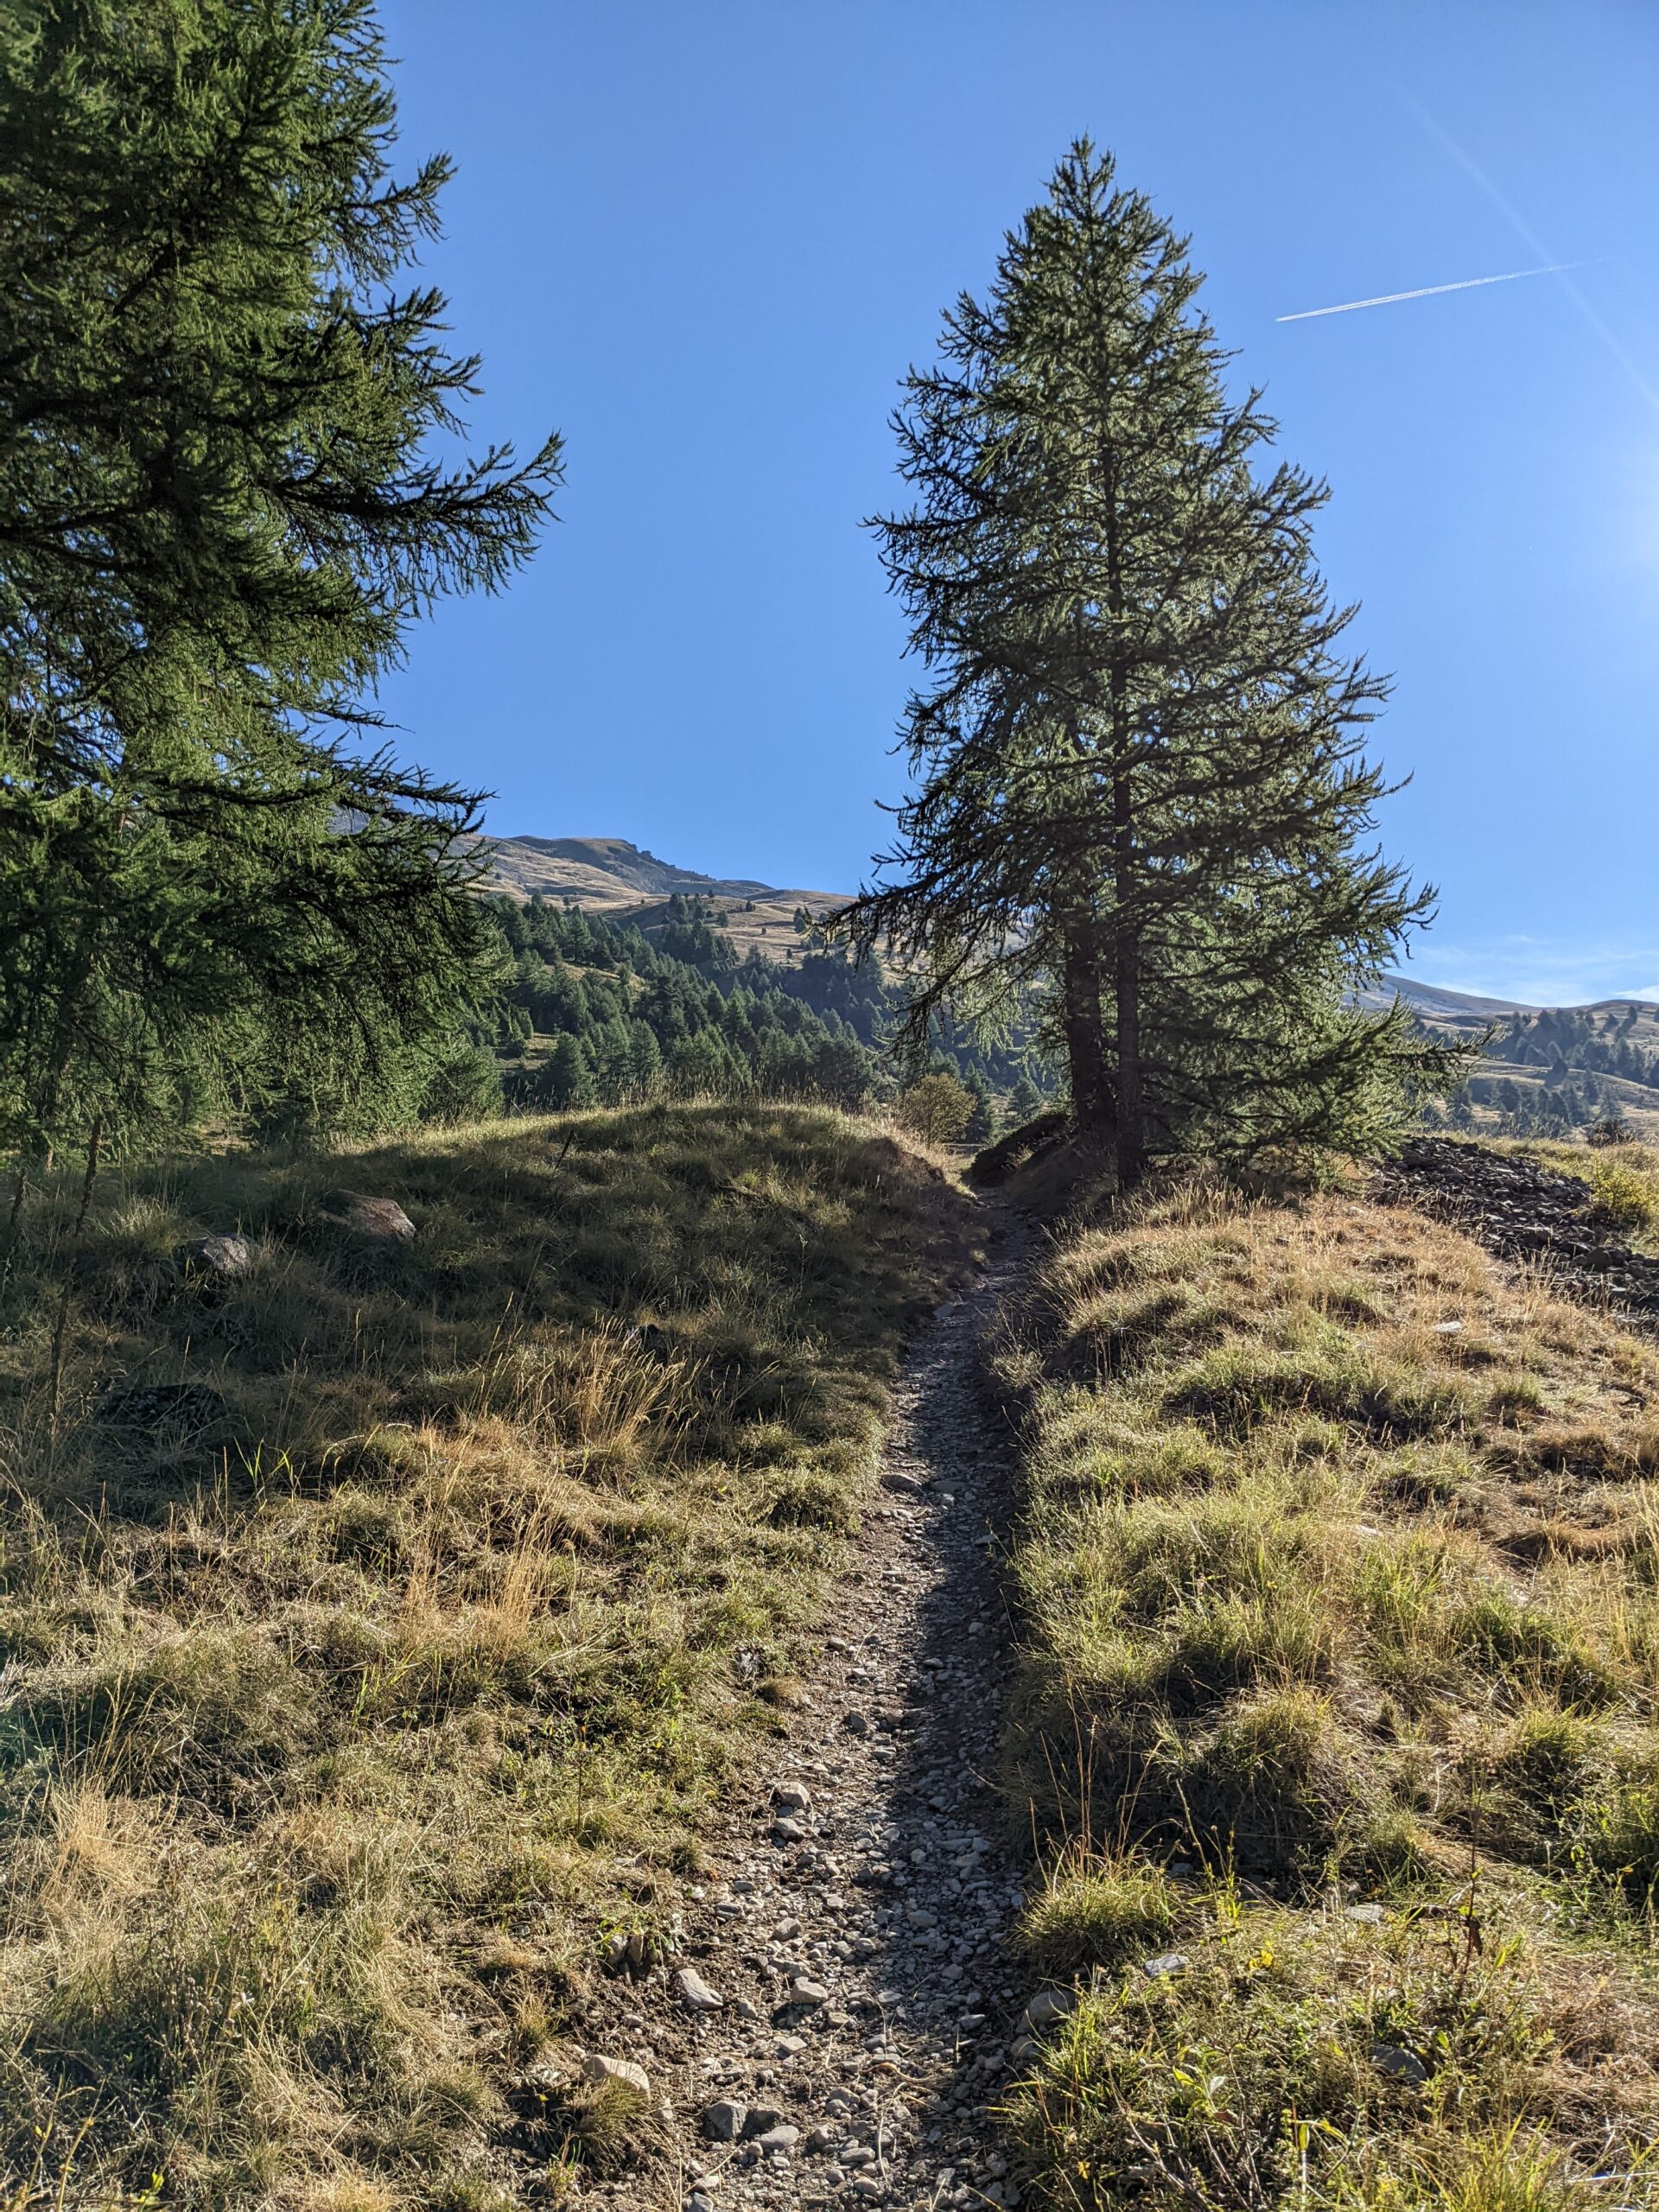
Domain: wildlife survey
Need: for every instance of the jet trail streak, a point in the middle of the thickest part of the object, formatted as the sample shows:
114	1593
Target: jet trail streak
1425	291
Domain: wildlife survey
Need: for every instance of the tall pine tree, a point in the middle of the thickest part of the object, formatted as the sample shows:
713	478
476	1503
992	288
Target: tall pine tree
224	494
1139	780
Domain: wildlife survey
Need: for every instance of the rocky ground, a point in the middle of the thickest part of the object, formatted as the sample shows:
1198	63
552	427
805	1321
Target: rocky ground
1523	1211
839	2008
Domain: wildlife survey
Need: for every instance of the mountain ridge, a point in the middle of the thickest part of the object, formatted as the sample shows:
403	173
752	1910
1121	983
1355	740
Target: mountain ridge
613	872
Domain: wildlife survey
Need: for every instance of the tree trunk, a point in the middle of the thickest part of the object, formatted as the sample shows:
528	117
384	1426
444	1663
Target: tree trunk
1126	938
1131	1101
1126	986
1093	1105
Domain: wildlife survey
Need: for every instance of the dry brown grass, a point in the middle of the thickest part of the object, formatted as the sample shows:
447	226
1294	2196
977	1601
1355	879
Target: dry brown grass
340	1731
1326	1601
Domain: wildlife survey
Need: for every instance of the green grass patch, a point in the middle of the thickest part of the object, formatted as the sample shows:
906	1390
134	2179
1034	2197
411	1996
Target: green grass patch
1339	1690
382	1621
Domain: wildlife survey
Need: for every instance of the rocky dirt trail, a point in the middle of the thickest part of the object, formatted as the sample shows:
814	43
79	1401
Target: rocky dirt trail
840	2008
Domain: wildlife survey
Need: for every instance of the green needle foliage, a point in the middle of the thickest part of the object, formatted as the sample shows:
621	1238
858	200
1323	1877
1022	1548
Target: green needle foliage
230	475
1138	756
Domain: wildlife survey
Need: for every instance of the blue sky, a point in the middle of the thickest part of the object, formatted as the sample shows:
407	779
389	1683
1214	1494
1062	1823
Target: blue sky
704	238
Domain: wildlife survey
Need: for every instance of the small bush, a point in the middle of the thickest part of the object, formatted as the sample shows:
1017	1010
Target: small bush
1620	1197
937	1109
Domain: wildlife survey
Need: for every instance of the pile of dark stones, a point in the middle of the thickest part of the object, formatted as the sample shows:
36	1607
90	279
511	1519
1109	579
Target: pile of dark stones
1522	1211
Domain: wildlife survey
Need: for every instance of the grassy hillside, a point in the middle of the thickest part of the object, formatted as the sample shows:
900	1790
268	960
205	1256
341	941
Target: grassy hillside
1337	1724
379	1621
609	876
1555	1070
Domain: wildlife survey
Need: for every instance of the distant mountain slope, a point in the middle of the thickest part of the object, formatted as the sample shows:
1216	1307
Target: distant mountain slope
606	873
1461	1013
623	883
1441	1005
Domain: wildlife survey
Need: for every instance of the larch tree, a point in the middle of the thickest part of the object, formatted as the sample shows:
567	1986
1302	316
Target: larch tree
230	476
1140	787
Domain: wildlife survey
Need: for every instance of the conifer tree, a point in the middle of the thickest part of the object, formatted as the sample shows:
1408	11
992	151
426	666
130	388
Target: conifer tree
1138	757
219	507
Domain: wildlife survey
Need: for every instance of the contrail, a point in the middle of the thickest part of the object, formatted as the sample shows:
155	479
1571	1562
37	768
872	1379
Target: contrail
1524	231
1426	291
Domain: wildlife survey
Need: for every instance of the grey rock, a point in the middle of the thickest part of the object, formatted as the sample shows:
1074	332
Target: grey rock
694	1992
788	1831
792	1798
224	1256
174	1409
1166	1964
1368	1916
856	1724
905	1486
724	2122
599	2069
783	2137
1048	2006
804	1991
382	1221
1403	2065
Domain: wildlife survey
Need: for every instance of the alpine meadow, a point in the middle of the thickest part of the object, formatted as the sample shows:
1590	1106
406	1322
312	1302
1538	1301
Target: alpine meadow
676	1541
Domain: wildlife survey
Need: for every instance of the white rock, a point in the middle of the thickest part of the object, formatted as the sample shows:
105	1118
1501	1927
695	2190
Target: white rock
597	2068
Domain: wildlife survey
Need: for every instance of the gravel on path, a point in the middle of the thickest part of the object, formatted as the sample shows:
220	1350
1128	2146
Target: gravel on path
852	1934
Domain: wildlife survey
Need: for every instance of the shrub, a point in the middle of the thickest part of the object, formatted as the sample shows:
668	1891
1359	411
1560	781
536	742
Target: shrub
938	1108
1620	1197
